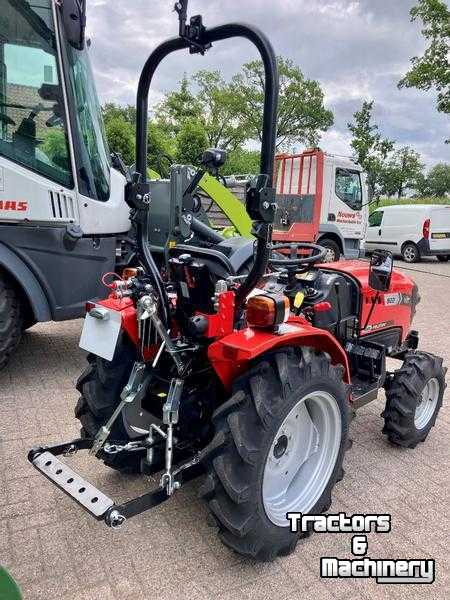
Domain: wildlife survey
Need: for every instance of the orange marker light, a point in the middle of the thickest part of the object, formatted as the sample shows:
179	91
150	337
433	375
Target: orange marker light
267	310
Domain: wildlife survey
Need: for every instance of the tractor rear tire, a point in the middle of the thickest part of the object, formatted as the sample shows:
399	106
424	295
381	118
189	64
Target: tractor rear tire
11	319
100	386
443	257
251	435
413	399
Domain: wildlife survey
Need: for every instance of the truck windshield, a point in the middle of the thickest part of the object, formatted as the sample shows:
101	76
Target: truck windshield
91	148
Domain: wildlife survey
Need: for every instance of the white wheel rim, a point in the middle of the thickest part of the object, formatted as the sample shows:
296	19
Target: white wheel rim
302	457
409	253
330	255
427	404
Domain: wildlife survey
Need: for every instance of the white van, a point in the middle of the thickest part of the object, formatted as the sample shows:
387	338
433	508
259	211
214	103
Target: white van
411	230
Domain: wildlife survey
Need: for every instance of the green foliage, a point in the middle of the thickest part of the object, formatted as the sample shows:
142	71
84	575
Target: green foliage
301	111
178	106
432	70
420	200
55	149
438	180
403	170
369	147
120	136
161	149
192	141
242	162
220	116
113	111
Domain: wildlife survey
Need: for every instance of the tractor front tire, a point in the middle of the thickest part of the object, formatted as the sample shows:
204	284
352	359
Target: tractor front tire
11	319
413	399
100	386
258	444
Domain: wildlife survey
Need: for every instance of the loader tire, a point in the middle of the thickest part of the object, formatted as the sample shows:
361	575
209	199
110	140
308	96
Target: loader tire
11	319
249	453
413	399
100	386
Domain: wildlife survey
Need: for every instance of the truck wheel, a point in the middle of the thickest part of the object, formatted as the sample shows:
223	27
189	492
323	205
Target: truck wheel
413	399
100	386
11	319
410	253
443	257
333	250
279	445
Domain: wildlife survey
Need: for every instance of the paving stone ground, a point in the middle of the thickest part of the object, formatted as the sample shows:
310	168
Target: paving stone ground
56	551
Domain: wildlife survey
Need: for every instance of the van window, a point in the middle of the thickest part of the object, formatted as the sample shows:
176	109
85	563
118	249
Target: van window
375	218
348	188
32	126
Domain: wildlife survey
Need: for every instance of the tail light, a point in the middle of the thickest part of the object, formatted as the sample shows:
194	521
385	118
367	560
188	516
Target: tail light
426	229
267	310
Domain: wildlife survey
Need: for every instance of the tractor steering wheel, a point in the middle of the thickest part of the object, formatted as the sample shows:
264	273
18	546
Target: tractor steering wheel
296	262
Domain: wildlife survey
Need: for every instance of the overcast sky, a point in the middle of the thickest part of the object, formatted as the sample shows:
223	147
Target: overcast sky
357	49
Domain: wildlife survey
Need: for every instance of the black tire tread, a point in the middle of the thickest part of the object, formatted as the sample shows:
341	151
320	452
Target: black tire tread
100	386
11	319
233	456
402	393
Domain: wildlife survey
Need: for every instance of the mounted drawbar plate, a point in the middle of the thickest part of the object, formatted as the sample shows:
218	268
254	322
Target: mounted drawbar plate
73	485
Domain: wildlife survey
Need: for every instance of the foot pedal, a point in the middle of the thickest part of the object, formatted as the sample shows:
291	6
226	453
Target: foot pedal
73	485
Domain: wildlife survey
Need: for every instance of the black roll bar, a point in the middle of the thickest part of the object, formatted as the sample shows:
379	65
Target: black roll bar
262	227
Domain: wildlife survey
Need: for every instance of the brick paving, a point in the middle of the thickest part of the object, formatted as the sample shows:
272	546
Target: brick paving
56	551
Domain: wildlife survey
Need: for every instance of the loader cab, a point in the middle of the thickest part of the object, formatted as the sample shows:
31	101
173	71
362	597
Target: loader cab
63	217
53	151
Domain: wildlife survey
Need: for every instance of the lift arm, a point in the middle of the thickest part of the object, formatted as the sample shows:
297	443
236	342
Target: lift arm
231	206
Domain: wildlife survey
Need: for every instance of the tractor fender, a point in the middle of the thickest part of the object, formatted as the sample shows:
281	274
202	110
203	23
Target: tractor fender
25	278
231	355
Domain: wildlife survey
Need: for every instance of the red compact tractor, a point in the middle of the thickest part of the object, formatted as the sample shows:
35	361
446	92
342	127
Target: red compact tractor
246	380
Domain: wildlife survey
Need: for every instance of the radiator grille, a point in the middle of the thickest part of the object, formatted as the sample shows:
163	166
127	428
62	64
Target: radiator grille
62	206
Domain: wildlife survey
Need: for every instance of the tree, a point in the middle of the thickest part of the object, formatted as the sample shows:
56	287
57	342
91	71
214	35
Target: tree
432	70
403	171
178	106
369	147
161	149
112	111
192	141
219	111
213	106
55	148
301	111
242	162
438	180
120	136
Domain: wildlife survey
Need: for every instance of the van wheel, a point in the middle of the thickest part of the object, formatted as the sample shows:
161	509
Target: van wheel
443	258
333	251
410	253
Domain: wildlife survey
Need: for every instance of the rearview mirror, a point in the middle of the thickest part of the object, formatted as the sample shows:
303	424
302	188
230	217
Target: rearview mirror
74	22
380	270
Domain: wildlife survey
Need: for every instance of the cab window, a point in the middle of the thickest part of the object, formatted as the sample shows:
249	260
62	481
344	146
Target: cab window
33	131
348	188
375	218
